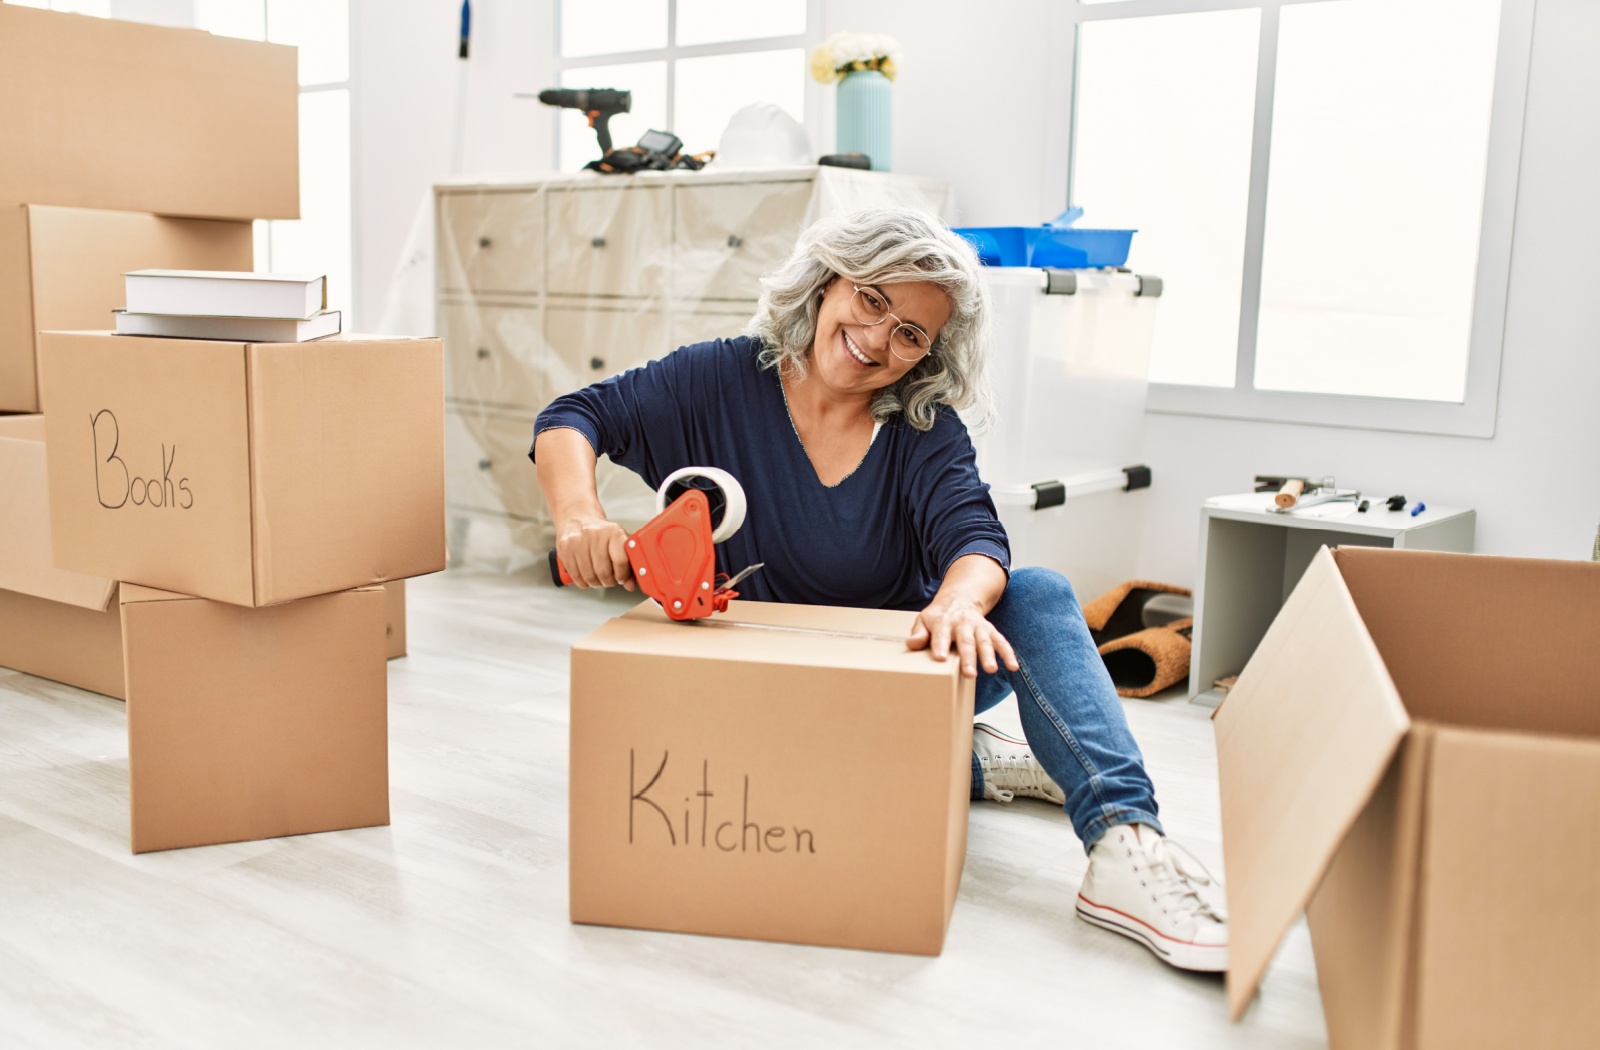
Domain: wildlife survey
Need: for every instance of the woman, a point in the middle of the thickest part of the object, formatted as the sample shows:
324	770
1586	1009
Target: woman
837	413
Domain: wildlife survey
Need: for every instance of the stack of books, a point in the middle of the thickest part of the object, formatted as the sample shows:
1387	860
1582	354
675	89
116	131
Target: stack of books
228	306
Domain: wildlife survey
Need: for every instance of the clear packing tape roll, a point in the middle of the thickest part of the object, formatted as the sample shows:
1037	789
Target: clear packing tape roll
544	286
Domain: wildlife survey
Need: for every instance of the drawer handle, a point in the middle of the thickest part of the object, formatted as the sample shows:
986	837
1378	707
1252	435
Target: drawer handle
597	242
597	363
483	351
484	242
735	241
483	464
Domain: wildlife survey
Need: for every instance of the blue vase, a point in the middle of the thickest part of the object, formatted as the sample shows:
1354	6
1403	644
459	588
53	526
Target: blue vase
864	122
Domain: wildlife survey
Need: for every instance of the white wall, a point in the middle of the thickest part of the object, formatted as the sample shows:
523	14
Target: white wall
983	102
981	99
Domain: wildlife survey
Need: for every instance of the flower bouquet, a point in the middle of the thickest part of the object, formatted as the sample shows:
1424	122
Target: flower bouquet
844	53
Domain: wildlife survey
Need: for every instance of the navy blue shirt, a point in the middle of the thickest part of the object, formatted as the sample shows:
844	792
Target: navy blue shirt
881	538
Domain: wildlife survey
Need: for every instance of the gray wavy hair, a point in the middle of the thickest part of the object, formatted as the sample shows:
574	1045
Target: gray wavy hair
886	246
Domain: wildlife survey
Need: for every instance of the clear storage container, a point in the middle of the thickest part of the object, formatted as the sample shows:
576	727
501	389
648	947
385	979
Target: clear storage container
1070	376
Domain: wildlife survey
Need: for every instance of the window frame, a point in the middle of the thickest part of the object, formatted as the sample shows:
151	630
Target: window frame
1475	415
263	228
673	51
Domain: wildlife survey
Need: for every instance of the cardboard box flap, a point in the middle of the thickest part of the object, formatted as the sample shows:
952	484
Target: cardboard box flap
133	594
22	428
18	378
864	639
1315	708
1468	639
26	563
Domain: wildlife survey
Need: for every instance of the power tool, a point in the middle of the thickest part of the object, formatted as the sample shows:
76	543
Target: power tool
672	554
598	104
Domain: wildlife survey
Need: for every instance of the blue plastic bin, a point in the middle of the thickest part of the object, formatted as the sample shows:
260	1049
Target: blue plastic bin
1058	246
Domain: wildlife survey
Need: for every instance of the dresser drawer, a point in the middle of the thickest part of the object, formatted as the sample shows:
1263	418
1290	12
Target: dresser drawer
492	241
497	355
487	469
730	234
610	241
593	341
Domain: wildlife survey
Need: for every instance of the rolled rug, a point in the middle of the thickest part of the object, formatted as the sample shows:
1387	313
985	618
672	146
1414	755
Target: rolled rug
1120	611
1145	662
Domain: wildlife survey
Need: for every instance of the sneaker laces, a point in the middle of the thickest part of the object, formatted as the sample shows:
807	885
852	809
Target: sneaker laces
1019	773
1186	879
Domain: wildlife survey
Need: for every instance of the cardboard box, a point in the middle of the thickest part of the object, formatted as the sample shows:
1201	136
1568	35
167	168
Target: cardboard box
103	113
254	723
63	267
53	623
62	642
394	629
1412	757
246	473
716	778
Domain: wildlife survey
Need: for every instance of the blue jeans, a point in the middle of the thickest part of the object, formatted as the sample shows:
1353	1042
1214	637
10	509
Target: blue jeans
1071	713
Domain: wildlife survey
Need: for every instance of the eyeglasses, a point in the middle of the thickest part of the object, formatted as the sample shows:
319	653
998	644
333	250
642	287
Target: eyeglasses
906	341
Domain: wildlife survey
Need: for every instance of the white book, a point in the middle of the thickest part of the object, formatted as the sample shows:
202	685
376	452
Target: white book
226	293
230	329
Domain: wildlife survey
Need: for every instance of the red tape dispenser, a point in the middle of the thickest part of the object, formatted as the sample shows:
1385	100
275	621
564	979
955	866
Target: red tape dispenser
673	555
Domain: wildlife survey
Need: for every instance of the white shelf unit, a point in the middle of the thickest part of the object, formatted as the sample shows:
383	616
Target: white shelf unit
1251	558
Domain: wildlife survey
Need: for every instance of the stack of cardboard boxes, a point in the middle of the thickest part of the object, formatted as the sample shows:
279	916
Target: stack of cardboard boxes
248	498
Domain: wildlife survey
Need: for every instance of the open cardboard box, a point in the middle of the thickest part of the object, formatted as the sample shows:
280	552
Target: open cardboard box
250	473
54	623
63	267
107	113
715	777
1412	756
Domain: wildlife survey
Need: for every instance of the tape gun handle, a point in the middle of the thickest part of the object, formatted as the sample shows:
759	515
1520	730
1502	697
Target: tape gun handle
558	571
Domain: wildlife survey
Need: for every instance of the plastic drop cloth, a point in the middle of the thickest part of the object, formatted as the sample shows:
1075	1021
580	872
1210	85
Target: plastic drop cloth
543	286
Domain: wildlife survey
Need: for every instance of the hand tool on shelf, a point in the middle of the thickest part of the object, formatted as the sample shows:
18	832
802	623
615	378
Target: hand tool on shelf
673	555
1296	493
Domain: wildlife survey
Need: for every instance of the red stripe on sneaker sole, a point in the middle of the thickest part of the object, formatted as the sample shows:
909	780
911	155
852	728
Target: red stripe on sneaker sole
1106	924
992	731
1146	925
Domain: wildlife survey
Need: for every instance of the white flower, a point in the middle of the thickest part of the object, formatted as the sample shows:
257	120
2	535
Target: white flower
842	50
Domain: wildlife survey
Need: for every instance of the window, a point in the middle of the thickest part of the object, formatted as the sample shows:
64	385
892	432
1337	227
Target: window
689	63
97	8
1327	187
320	240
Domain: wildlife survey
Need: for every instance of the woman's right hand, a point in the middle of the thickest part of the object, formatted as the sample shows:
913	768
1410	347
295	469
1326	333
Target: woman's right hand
594	551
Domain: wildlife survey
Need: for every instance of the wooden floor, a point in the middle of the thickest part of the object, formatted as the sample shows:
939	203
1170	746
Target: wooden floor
450	928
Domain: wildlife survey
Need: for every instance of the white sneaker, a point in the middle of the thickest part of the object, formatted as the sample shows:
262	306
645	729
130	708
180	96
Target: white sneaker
1009	768
1154	891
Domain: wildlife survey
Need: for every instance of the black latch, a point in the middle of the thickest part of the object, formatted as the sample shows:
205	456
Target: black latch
1138	478
1060	282
1048	494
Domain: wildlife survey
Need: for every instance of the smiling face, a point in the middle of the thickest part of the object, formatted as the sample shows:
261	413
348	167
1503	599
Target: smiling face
849	357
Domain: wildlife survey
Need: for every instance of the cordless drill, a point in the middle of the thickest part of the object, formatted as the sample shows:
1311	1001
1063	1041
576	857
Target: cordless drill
598	104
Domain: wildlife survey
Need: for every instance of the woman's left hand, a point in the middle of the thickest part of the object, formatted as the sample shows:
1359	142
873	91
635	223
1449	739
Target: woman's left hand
959	621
